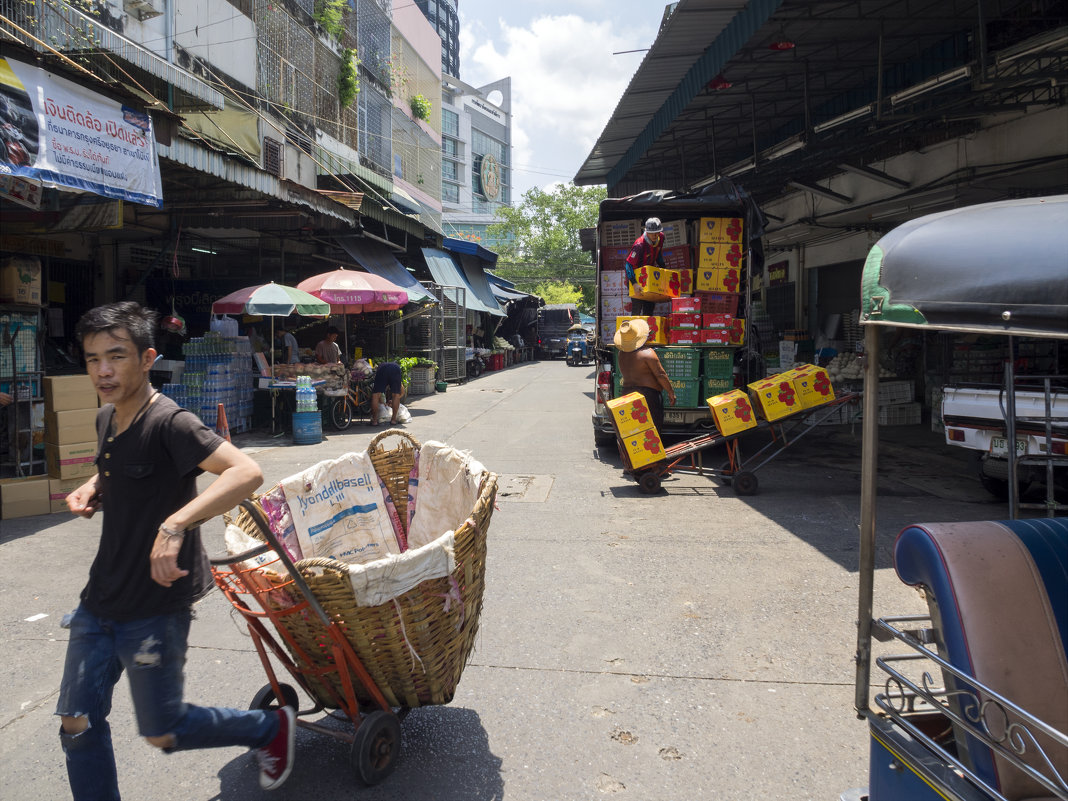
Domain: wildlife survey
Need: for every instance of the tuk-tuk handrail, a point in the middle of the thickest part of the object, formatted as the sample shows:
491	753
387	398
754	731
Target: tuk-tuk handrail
1019	731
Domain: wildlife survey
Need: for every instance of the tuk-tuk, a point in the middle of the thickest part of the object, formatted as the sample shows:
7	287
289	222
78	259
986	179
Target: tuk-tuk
971	700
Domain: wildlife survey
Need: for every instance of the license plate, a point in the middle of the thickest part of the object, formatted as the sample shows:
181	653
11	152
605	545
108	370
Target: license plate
673	417
999	446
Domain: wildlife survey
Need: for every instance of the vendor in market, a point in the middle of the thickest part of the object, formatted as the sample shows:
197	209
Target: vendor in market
327	351
288	344
641	368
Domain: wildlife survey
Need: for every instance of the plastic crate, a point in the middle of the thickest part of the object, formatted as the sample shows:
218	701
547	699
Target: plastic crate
896	392
674	233
719	302
683	363
620	234
710	387
718	363
687	394
900	414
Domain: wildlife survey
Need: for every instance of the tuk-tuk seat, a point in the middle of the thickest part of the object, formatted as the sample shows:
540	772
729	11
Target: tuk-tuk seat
998	597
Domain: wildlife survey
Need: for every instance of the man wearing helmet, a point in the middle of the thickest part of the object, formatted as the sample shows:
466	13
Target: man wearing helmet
647	249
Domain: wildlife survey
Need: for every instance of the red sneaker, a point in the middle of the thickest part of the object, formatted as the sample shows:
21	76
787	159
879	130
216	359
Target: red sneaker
276	758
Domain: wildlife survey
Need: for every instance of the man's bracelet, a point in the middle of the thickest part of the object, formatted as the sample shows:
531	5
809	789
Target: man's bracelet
170	533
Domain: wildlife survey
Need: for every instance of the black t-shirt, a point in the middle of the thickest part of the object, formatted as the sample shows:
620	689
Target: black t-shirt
144	474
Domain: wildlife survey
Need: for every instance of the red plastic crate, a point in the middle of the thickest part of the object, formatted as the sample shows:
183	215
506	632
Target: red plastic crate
678	258
719	302
614	258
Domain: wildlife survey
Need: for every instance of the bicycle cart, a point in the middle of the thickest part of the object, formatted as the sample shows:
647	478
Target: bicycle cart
687	457
370	664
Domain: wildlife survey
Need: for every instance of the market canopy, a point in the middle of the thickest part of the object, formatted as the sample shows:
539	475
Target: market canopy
959	271
355	291
271	300
448	273
378	260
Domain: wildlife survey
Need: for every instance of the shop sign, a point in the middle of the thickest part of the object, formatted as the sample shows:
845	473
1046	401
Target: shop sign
26	193
485	108
60	133
778	273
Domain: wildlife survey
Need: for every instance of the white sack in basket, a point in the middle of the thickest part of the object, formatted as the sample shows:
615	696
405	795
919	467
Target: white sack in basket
237	542
339	512
380	581
449	485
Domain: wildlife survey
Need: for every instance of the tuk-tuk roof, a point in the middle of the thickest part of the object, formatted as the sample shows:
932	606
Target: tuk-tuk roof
995	268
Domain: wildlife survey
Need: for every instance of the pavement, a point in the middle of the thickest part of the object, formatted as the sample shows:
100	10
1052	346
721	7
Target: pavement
687	645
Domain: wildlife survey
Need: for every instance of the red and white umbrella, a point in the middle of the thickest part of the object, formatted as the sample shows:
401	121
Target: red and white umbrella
354	291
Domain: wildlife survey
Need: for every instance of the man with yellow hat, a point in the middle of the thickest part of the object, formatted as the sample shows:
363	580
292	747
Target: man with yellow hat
641	368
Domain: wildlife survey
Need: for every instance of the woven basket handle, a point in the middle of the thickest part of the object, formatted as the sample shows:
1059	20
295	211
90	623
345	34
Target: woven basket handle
323	563
398	432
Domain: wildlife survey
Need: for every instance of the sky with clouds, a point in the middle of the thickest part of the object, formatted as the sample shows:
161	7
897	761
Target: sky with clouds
566	81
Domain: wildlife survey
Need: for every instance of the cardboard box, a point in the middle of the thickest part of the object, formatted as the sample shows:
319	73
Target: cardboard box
737	332
630	414
613	282
59	489
23	497
717	255
812	384
656	283
716	320
686	281
718	279
77	460
657	328
67	392
20	280
684	336
685	320
732	411
775	397
686	304
74	425
720	229
644	448
715	336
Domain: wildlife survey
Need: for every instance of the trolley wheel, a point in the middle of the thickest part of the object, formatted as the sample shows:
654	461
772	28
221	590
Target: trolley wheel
649	483
341	414
265	699
745	483
376	747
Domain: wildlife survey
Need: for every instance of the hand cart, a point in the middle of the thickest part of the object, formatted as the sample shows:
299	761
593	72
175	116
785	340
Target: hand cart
284	597
686	456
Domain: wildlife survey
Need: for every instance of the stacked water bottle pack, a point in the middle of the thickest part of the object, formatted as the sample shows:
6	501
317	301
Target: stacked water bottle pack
218	370
306	398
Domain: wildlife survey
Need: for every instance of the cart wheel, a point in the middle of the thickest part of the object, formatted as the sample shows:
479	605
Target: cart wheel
265	699
745	483
376	747
341	414
649	483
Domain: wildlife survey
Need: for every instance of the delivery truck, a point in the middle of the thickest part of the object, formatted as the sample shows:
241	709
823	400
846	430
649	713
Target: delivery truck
712	244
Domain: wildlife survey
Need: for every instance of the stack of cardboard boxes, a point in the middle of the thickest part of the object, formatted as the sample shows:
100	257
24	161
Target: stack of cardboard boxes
634	425
70	435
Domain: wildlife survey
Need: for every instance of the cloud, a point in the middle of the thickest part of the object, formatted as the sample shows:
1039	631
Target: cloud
565	84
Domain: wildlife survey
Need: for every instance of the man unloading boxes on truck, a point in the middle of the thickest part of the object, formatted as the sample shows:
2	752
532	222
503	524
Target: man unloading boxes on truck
641	368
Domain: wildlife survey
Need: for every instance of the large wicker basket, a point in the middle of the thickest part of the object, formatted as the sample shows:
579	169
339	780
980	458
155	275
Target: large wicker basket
416	646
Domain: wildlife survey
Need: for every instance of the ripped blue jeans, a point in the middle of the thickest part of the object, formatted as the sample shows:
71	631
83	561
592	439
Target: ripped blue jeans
152	652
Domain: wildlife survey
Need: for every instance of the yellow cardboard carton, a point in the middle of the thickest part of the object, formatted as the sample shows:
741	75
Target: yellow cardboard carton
658	328
630	414
775	397
76	460
732	412
717	279
23	497
719	254
812	385
656	284
720	229
644	448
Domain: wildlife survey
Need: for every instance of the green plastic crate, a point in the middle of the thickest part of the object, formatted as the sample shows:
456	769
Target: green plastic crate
718	363
687	394
683	362
710	387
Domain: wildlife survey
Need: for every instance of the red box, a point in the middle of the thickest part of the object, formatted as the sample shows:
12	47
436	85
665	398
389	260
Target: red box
716	336
614	258
678	258
684	336
716	320
683	320
687	304
719	302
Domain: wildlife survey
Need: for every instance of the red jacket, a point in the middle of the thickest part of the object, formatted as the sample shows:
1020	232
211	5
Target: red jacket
642	253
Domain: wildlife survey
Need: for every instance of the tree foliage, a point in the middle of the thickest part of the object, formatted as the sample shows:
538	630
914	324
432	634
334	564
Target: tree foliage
538	242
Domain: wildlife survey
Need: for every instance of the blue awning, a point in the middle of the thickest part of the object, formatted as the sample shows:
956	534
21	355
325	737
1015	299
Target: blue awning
475	274
447	273
470	248
378	260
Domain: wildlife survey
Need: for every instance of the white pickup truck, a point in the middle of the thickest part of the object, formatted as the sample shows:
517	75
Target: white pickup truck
974	418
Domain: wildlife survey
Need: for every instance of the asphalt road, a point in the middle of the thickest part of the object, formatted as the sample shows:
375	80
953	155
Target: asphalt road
688	645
